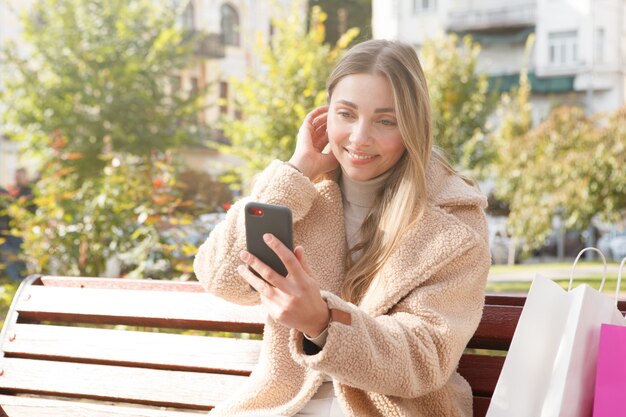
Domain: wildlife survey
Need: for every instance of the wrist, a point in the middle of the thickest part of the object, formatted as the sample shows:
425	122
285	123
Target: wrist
300	166
320	328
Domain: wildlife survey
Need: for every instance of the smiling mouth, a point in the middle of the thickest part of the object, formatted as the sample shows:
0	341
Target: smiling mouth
359	156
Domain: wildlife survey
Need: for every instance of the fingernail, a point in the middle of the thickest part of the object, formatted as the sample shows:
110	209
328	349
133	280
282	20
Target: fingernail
267	237
244	256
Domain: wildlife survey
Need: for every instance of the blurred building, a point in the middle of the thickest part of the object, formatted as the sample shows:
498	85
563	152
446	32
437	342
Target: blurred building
578	56
229	33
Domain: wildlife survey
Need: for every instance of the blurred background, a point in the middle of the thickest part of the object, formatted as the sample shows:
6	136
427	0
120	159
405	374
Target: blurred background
128	127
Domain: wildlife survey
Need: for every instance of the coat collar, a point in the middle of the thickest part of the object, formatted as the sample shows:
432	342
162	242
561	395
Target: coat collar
447	189
443	187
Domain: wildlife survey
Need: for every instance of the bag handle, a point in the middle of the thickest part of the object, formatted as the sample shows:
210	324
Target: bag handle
619	279
571	274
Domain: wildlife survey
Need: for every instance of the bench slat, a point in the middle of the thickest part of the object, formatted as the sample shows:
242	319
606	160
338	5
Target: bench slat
122	283
184	310
118	383
17	406
496	327
144	349
505	300
481	405
481	371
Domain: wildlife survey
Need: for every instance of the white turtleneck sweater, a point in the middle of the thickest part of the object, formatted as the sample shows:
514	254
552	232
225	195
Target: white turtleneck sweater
358	199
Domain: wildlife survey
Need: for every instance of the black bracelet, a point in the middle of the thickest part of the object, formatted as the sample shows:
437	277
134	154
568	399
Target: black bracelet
294	167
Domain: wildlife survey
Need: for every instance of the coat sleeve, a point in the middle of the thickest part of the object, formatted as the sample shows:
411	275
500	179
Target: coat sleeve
217	259
415	347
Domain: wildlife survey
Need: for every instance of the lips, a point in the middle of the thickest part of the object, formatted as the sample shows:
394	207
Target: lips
359	156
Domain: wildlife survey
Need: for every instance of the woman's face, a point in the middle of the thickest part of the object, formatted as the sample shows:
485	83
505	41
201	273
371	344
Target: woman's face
362	126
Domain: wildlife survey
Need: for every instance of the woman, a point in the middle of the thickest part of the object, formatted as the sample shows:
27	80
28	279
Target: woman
374	319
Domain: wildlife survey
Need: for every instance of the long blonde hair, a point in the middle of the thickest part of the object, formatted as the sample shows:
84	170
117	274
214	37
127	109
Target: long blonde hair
401	201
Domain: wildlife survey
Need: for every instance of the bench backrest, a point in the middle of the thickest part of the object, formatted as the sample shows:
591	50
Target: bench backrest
161	345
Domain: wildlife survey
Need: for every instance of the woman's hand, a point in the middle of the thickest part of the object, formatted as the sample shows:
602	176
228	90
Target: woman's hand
309	157
294	300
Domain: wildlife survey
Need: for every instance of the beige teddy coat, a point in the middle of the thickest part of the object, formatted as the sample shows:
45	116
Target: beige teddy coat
399	354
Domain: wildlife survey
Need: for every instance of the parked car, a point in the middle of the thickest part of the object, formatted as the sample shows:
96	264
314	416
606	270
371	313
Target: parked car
194	233
499	241
613	244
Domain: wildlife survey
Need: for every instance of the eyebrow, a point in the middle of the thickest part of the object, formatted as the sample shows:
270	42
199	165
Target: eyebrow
379	110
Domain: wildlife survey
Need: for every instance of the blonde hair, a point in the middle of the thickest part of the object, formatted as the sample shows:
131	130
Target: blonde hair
402	200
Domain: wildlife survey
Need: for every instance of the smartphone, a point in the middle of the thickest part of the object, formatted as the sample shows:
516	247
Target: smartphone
268	218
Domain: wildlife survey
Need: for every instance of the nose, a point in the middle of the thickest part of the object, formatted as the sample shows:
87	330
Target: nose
360	133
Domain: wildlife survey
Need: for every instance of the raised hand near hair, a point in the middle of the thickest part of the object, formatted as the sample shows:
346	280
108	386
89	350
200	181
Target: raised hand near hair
295	300
309	156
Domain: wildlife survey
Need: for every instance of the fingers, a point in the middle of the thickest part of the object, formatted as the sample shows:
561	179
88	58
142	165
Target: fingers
316	112
318	116
299	252
261	286
319	129
265	273
284	253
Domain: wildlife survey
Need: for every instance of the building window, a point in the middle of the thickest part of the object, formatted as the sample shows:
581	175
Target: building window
563	48
223	97
230	25
188	16
176	83
420	6
598	53
194	85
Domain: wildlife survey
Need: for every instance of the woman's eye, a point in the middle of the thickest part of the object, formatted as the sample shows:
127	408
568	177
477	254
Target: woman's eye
386	122
344	114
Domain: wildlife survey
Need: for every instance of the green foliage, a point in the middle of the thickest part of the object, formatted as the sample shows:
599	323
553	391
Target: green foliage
572	165
459	99
93	99
81	223
515	114
99	72
273	104
7	291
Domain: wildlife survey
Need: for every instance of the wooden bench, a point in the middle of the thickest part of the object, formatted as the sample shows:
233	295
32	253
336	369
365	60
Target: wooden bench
103	347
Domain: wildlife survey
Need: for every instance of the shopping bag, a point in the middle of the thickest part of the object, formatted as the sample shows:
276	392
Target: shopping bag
611	368
549	370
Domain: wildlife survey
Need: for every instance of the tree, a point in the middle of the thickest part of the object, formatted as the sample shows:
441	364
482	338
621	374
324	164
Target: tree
273	104
80	224
571	165
515	115
460	100
93	98
99	72
346	14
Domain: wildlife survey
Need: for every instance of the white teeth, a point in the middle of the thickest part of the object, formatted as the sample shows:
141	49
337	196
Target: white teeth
360	157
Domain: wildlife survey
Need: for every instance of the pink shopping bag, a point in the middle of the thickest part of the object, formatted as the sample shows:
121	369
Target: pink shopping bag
611	367
611	373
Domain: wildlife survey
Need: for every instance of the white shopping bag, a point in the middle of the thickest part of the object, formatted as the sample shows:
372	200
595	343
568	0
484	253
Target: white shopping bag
549	370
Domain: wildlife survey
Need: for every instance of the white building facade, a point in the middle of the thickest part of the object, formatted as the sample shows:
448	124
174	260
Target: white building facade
579	55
